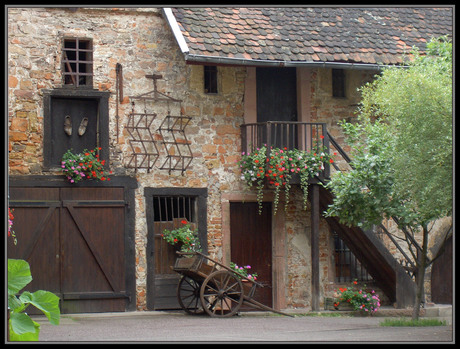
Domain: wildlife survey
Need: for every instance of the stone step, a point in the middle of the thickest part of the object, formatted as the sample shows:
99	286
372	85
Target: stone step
441	311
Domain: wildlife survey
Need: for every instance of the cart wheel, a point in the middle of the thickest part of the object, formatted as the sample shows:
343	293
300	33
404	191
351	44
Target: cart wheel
188	295
221	294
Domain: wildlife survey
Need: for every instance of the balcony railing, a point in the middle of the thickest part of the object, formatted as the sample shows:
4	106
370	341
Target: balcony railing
290	134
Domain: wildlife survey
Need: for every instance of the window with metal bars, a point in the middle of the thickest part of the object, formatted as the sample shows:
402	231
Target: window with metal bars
167	208
347	266
77	60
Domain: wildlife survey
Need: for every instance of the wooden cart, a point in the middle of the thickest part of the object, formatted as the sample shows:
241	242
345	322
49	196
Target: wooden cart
207	286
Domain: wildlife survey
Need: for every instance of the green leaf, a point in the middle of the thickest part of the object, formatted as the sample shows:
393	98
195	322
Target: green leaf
21	323
18	275
14	303
45	301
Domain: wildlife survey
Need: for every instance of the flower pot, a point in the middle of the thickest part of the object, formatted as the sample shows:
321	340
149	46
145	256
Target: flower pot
344	306
329	304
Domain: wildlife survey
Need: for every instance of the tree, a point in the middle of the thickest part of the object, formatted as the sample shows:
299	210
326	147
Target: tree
402	152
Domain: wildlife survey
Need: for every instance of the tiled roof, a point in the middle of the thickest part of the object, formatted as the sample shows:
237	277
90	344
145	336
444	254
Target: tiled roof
311	34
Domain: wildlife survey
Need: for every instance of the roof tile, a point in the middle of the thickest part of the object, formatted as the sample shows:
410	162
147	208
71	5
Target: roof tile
312	34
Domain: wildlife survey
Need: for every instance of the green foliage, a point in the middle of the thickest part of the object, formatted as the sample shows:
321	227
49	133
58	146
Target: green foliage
243	270
84	165
21	326
276	166
360	300
402	157
403	322
184	236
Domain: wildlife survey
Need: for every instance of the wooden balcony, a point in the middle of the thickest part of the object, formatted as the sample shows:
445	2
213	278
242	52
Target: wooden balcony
286	134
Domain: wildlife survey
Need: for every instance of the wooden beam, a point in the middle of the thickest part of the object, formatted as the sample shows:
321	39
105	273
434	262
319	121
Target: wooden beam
315	247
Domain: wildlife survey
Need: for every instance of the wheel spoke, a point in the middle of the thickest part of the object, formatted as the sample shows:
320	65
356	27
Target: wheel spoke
188	295
221	294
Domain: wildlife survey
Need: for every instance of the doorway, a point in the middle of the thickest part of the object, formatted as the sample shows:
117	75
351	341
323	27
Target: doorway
78	244
166	208
277	103
251	243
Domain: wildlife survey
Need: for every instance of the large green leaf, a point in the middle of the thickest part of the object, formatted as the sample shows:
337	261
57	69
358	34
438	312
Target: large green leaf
45	301
23	328
21	323
18	275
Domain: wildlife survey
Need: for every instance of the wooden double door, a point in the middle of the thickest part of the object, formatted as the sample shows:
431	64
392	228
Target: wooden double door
74	241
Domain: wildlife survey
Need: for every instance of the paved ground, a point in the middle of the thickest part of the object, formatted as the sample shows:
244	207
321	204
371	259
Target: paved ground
171	327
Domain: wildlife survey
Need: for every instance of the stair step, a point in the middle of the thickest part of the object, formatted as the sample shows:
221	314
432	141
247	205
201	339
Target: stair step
441	311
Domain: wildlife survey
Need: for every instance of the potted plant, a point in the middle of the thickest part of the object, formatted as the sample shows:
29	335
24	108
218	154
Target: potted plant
360	300
184	238
243	271
84	165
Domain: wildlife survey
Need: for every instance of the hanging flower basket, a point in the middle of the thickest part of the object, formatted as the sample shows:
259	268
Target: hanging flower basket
275	167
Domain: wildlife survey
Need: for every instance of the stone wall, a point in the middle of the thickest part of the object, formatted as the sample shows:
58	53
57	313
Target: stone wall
140	40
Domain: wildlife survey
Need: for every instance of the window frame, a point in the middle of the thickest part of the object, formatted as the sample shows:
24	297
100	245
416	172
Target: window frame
338	83
210	79
77	62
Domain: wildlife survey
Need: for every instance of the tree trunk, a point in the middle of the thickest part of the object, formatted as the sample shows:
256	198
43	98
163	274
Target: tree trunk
421	267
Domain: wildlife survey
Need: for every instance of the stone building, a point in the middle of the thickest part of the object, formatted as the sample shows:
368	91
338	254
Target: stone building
168	94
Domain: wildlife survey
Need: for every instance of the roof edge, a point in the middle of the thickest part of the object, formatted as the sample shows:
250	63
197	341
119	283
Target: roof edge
175	29
194	58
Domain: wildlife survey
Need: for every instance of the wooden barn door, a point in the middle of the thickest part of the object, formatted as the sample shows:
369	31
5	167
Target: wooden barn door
251	243
36	224
92	248
73	239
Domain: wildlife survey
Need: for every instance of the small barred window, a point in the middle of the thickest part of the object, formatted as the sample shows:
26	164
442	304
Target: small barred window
77	62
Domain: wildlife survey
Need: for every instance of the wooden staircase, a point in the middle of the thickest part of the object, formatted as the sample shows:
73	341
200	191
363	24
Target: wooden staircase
388	273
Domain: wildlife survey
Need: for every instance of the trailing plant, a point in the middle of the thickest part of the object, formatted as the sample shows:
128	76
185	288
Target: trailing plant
276	167
358	299
84	165
244	271
10	226
184	236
